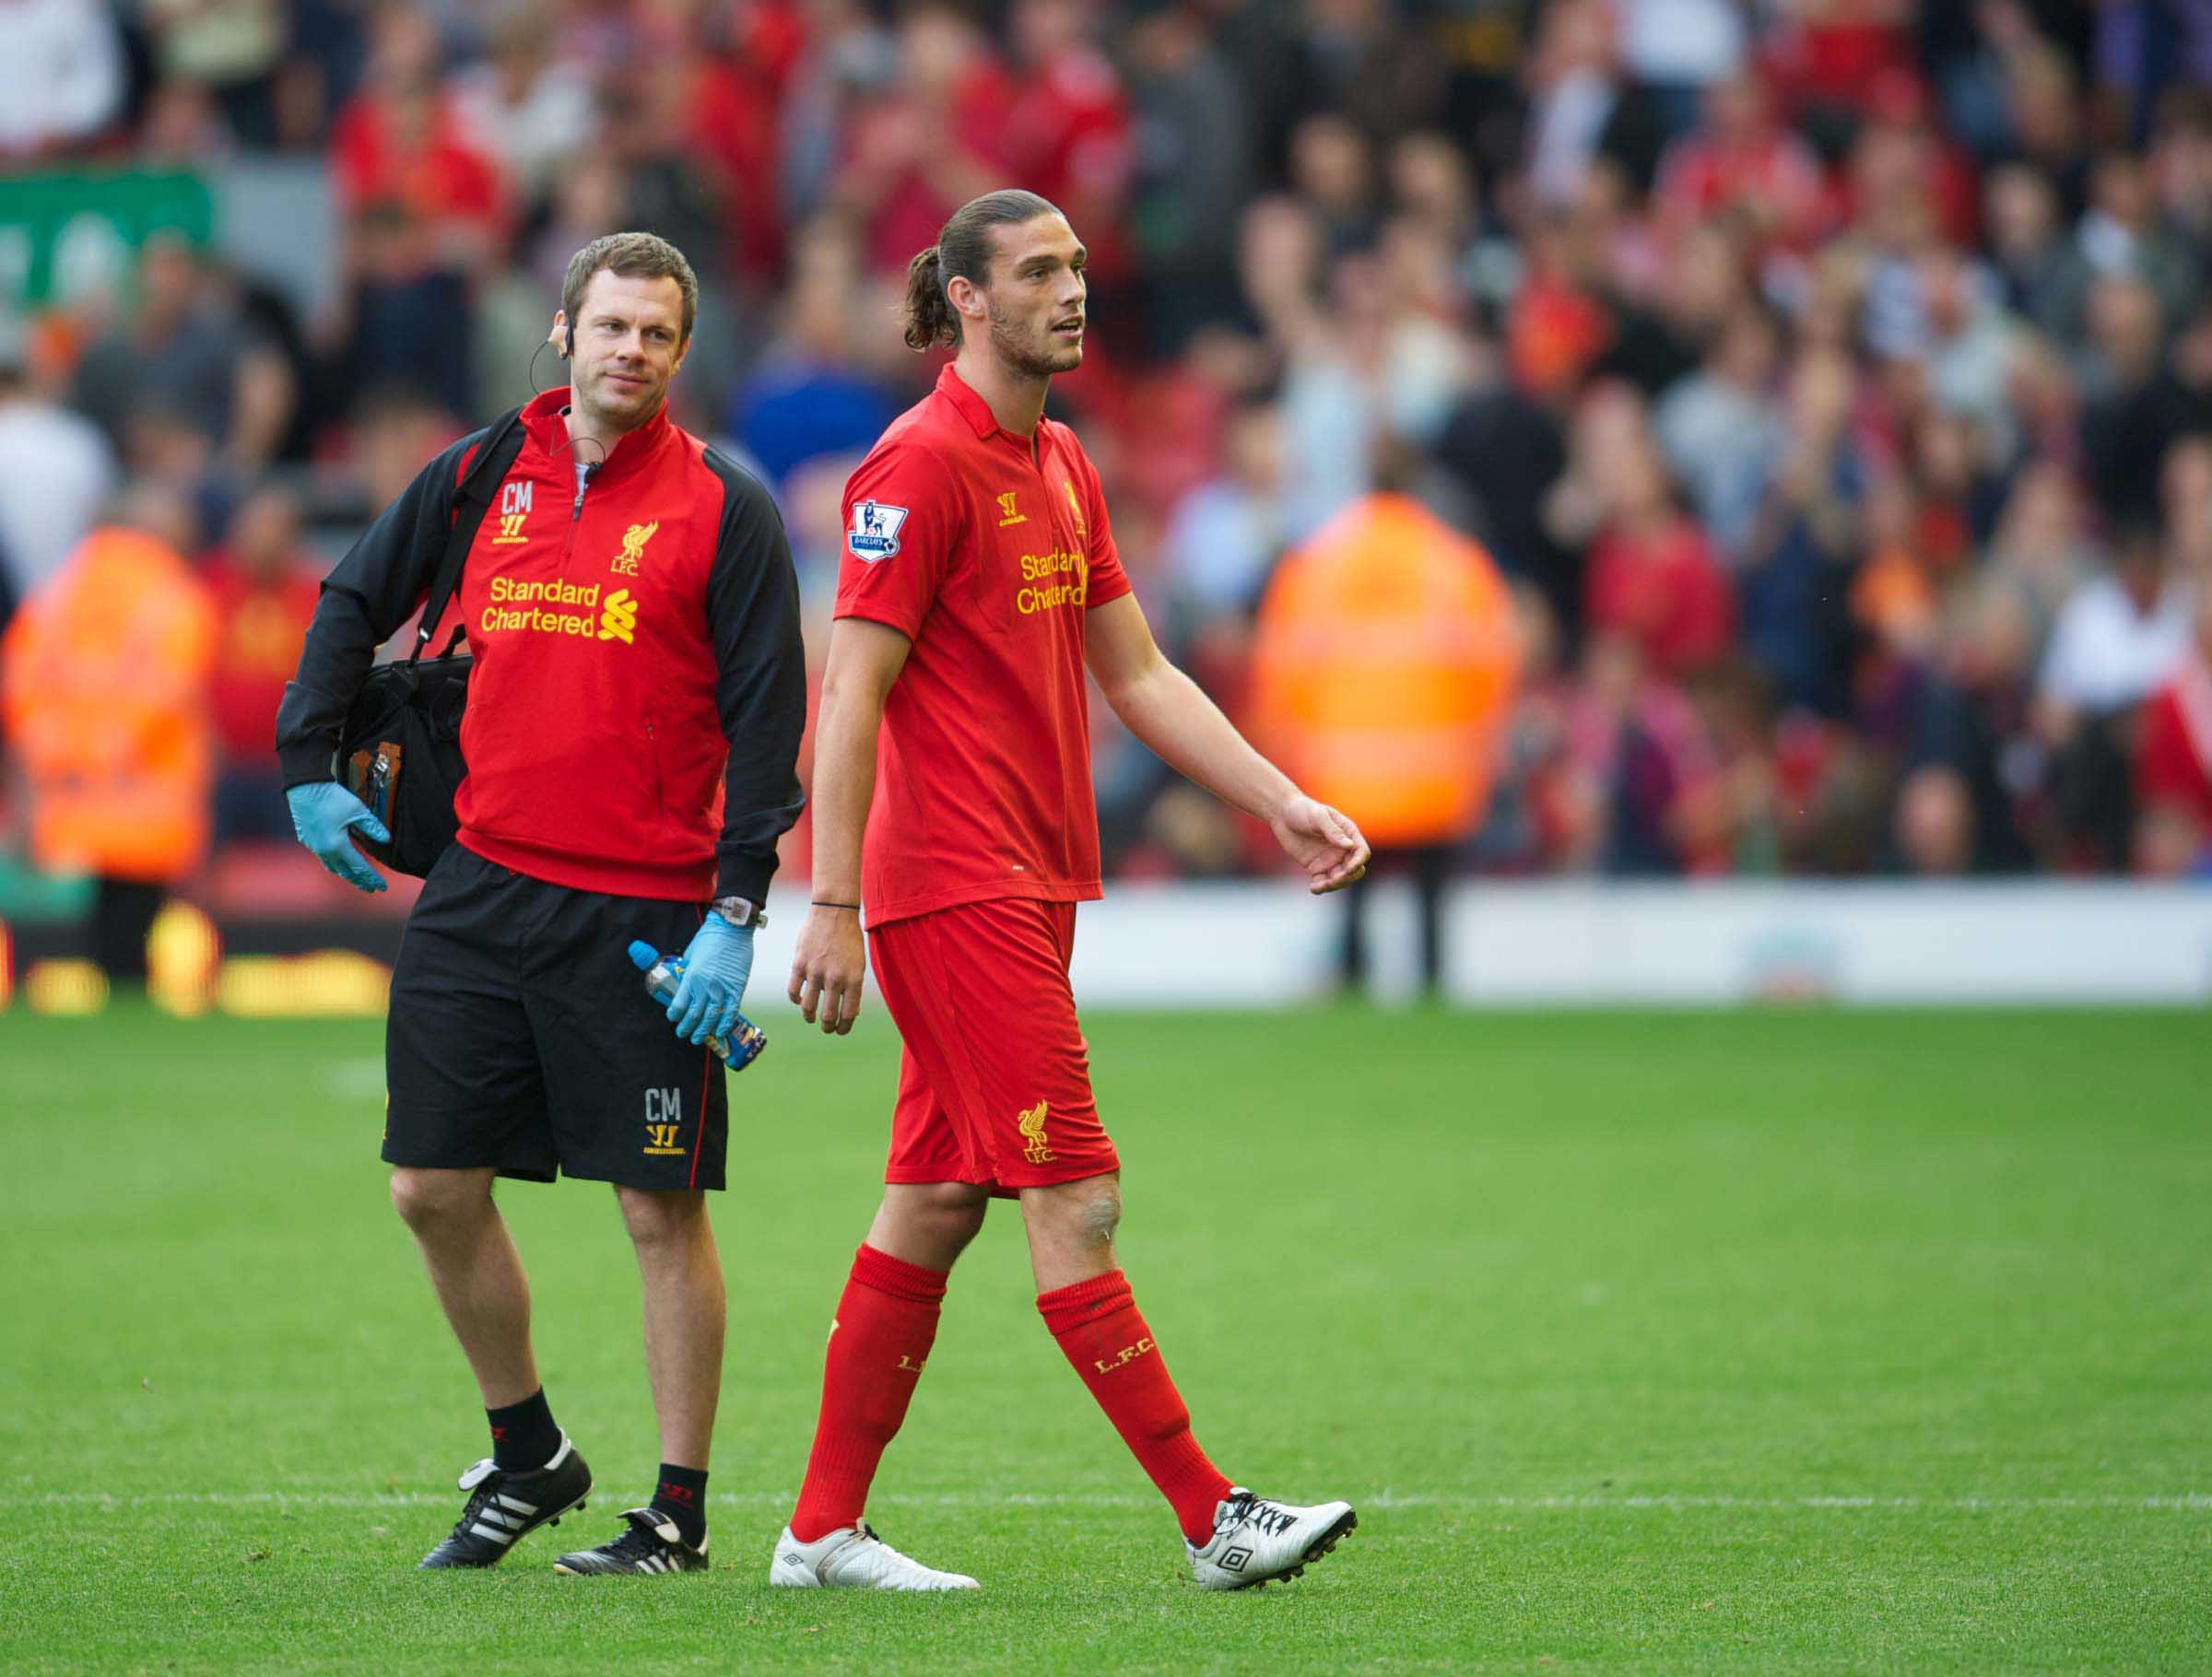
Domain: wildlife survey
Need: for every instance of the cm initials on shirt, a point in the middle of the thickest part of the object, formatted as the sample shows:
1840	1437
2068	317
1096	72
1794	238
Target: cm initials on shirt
515	502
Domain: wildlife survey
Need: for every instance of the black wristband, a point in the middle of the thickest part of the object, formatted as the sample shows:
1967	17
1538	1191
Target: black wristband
820	904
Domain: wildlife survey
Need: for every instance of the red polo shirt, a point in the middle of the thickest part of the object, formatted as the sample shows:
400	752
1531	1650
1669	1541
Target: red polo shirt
985	553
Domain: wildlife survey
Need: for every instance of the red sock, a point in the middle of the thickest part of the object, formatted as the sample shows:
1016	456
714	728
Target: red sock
1098	1326
885	1323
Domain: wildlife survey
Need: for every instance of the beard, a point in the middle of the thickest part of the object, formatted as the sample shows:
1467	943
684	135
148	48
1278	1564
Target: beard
1034	353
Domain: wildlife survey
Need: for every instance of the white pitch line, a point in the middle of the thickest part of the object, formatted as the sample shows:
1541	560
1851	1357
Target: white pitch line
2186	1503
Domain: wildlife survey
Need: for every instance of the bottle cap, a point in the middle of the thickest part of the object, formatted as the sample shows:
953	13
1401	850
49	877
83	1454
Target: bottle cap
644	955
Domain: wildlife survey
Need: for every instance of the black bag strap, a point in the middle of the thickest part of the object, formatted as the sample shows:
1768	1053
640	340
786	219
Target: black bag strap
471	501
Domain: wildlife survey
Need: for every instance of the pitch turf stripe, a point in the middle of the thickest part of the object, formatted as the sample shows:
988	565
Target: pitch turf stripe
2197	1502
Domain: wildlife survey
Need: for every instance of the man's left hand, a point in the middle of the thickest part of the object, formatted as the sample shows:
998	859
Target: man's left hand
1324	841
716	965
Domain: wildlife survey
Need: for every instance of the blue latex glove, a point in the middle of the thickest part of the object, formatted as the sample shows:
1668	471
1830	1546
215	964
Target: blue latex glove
322	814
716	964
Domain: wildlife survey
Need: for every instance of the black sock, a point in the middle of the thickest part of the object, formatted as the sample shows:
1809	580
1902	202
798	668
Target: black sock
681	1497
523	1438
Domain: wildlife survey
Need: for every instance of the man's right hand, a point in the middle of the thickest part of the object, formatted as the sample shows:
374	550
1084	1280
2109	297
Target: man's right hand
827	969
323	814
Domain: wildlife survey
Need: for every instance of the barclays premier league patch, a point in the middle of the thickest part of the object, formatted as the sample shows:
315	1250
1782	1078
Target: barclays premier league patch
874	533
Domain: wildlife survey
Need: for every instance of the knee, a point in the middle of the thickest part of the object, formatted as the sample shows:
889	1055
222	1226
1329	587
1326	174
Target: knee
1084	1215
661	1219
953	1214
431	1201
931	1224
1099	1212
959	1222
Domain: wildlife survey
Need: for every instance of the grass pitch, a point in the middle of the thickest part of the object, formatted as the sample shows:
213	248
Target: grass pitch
1763	1341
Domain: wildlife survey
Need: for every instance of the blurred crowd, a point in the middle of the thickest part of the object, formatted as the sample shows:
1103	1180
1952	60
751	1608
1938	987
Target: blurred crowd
1829	382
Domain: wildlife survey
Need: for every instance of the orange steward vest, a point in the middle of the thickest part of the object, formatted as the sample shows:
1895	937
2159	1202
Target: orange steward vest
1384	660
103	683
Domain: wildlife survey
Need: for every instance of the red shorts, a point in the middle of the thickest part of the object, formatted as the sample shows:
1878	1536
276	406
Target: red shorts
995	1083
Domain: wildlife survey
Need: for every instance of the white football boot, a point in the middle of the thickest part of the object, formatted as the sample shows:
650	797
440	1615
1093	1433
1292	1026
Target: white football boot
1255	1539
855	1557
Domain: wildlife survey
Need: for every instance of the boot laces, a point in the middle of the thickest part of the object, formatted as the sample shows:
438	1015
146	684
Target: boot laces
641	1541
485	1491
1244	1508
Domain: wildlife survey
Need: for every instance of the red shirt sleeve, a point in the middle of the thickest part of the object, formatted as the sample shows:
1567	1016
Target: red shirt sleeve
901	521
1105	577
2167	770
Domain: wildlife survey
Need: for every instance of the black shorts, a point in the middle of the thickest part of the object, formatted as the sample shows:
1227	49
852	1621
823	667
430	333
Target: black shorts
521	1037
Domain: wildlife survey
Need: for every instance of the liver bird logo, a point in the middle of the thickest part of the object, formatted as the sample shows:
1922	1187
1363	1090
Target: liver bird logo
633	549
1032	1125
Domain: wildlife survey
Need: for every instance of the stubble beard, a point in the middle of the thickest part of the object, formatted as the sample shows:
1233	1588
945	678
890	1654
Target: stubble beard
1027	358
619	417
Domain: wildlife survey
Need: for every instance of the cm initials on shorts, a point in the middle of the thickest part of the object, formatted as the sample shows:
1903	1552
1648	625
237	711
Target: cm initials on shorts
664	1118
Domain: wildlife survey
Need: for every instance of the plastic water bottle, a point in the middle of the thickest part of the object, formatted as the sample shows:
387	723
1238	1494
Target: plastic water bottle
663	973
